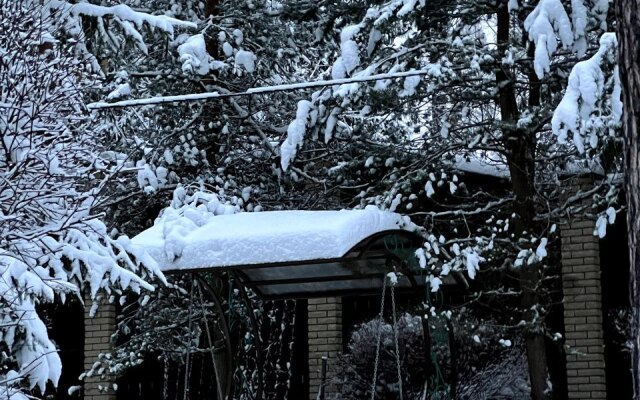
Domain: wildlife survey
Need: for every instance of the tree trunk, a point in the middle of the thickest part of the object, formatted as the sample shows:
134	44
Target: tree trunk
628	19
520	145
212	9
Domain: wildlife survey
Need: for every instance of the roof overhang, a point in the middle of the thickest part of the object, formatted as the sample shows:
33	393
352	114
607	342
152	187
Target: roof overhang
386	242
362	270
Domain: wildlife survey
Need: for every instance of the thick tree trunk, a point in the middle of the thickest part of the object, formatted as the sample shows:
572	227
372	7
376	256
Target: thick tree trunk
520	145
628	19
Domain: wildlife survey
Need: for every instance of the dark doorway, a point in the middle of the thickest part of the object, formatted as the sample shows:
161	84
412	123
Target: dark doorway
614	266
66	330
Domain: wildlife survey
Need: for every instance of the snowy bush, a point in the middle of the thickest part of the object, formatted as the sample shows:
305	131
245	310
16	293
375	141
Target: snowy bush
354	379
486	363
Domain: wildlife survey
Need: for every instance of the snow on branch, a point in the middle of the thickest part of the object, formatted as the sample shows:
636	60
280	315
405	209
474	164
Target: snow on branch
350	63
584	110
52	244
254	91
548	17
125	13
67	17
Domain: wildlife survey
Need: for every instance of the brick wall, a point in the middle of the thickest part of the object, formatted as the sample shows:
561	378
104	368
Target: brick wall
97	339
583	309
325	339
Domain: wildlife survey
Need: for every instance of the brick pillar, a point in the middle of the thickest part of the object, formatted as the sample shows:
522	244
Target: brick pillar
583	311
97	339
325	339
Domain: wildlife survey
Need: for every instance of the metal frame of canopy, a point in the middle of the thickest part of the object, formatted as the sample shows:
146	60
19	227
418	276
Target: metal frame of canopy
362	270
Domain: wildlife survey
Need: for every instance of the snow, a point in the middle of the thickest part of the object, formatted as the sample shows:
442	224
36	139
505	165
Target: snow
472	261
586	85
369	161
168	156
601	227
541	250
374	37
54	245
393	278
227	49
548	17
295	134
147	179
428	188
522	254
120	91
611	215
332	120
125	13
422	257
193	55
350	56
349	32
434	283
409	87
239	36
395	202
452	187
608	217
338	70
246	60
263	89
477	164
184	242
579	20
616	96
407	7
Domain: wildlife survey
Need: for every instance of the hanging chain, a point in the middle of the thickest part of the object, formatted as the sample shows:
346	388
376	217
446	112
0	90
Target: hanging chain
165	387
187	367
210	339
395	337
381	319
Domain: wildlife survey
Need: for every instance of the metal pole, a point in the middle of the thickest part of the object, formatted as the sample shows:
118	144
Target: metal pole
228	356
256	335
323	377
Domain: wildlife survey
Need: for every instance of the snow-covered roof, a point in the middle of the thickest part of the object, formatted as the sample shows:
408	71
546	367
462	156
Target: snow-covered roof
270	237
482	166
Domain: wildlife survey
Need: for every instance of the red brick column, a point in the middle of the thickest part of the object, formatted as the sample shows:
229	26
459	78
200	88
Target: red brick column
325	339
583	310
97	339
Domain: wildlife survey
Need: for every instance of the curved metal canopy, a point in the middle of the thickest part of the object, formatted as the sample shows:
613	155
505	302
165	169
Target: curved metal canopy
361	270
292	254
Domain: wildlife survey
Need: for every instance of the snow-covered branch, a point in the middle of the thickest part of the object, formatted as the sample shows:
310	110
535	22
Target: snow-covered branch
52	245
255	91
591	104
